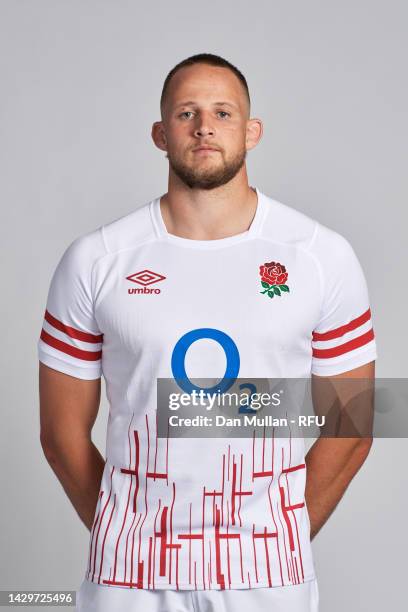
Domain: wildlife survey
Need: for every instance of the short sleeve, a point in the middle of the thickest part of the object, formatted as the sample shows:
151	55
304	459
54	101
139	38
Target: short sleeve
343	338
70	340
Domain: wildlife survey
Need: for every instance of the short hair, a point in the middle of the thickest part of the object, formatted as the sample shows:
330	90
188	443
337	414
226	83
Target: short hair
204	58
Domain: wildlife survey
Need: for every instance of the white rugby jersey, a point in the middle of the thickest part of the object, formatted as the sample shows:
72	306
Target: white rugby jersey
290	295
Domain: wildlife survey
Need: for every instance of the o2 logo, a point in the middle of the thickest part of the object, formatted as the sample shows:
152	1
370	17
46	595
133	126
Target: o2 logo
232	369
246	409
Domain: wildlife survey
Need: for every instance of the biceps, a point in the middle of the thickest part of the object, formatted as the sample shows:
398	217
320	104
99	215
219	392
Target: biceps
346	400
67	404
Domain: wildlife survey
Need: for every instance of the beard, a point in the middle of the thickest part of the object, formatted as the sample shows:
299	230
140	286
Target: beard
208	176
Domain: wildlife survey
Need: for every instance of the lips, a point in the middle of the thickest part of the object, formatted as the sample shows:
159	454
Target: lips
205	148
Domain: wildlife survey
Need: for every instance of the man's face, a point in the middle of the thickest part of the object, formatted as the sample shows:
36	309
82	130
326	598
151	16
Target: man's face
205	106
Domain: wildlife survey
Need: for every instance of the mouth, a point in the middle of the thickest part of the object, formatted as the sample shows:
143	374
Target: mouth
205	149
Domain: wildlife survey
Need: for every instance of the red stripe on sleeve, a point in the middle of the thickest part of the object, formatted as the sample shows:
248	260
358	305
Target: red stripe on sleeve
70	350
346	347
71	331
340	331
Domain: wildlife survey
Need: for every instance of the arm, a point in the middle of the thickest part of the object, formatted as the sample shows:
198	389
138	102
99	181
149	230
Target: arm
68	409
332	463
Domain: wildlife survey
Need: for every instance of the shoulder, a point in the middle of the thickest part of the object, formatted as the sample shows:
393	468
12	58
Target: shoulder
130	230
124	232
286	224
80	255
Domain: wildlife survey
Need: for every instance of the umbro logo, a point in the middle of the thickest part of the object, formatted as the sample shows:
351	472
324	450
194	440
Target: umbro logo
145	278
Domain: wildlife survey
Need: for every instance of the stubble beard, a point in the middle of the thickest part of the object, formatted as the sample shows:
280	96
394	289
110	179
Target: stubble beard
207	177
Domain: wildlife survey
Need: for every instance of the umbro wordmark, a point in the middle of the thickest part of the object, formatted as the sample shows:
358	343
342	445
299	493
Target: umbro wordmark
145	277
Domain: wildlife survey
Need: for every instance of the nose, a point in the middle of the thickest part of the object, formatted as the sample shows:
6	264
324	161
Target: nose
203	126
203	131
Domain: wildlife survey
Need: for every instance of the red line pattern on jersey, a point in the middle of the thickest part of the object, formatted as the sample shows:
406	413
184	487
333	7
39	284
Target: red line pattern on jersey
273	545
97	511
100	523
104	538
235	493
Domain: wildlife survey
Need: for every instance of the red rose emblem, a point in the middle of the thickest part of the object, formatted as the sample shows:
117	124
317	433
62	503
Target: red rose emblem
273	273
273	279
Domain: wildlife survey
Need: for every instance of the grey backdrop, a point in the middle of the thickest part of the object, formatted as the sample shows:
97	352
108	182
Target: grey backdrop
80	85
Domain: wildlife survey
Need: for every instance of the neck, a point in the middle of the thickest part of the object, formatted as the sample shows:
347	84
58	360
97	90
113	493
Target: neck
208	214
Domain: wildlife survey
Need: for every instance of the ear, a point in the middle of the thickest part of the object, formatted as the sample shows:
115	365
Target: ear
159	136
254	131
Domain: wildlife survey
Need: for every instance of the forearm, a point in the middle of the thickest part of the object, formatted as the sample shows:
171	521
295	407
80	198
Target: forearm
331	465
78	466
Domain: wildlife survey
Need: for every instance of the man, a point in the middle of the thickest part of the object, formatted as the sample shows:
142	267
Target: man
213	278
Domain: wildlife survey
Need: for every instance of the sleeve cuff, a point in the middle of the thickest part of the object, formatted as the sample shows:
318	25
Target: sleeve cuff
90	372
344	365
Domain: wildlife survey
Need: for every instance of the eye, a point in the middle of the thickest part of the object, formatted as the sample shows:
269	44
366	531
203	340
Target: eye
184	113
224	113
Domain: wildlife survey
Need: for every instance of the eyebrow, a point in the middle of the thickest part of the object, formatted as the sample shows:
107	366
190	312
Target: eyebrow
191	102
